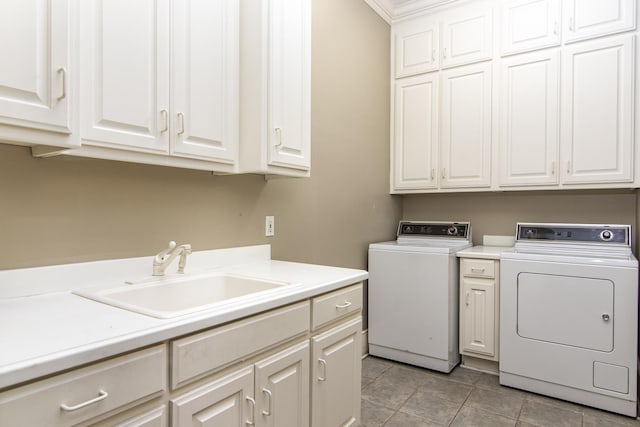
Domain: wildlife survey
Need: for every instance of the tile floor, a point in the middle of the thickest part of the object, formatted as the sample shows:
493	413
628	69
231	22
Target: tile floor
398	395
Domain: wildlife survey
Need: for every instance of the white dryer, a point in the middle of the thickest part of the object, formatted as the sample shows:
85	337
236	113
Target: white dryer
413	294
569	314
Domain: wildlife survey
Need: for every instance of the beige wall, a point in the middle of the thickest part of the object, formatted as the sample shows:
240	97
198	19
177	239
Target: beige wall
64	209
497	213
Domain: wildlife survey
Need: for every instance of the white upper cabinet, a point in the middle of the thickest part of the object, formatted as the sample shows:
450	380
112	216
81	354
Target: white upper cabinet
275	116
597	111
529	119
467	35
124	74
466	127
416	132
35	85
584	19
416	43
289	88
161	77
529	25
204	79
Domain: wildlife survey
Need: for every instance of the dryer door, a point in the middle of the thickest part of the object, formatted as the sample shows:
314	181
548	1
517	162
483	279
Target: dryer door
569	310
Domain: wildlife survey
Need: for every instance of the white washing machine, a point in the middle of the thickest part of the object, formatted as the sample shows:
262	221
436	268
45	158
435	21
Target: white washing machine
413	294
569	314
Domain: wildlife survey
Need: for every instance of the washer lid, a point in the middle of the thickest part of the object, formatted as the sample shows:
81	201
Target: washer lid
428	246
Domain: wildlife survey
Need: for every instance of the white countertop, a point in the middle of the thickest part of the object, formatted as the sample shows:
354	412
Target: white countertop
486	252
53	331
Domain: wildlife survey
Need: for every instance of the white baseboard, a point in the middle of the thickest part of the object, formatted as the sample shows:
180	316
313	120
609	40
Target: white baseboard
365	343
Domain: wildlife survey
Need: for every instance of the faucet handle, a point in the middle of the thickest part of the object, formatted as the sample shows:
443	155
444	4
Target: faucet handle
162	255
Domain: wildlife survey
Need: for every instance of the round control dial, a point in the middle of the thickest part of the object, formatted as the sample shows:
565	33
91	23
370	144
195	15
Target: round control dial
606	235
452	231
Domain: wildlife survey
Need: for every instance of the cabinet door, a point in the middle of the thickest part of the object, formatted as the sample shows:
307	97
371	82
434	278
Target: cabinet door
34	77
477	326
227	402
124	51
597	111
335	376
416	132
289	83
466	127
204	83
467	36
529	25
282	388
586	19
529	119
416	45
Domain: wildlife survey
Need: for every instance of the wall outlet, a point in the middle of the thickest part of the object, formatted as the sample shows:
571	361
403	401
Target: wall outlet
269	225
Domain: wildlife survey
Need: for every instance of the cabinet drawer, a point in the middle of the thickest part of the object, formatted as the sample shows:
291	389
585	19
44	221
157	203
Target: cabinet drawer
197	355
335	305
85	393
478	267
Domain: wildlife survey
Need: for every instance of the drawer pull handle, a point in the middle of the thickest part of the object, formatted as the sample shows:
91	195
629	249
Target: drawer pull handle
252	421
323	363
477	269
101	396
345	305
268	393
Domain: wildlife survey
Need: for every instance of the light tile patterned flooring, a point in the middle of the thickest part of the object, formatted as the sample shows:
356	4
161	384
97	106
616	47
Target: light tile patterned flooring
398	395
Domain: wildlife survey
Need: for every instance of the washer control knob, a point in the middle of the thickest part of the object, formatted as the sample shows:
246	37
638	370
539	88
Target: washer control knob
606	235
452	231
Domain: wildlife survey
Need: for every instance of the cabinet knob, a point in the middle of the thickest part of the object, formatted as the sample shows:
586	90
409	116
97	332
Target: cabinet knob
605	317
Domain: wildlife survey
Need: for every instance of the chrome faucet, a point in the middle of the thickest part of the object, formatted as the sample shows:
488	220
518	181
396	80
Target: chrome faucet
162	260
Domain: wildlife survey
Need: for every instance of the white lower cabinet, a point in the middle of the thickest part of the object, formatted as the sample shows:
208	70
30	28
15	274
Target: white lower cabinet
479	308
336	375
282	388
227	402
87	393
266	370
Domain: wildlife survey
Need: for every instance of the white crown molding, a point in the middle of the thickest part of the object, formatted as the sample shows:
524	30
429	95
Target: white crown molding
384	8
392	10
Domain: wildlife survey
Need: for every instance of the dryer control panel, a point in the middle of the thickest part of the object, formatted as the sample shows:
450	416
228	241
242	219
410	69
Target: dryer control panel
577	233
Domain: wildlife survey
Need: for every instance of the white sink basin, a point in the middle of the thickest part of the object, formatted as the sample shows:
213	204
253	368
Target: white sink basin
177	297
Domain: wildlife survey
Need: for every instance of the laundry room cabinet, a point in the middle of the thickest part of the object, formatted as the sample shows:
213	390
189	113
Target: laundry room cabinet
597	111
549	104
594	18
35	80
480	307
529	134
160	77
529	25
275	74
